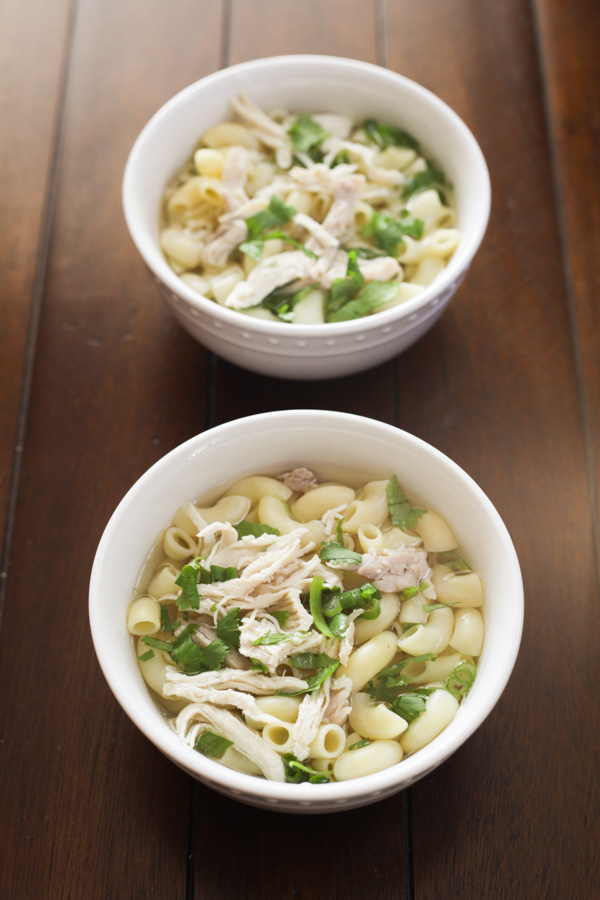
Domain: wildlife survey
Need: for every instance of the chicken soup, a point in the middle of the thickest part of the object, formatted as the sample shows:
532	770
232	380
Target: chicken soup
307	219
301	630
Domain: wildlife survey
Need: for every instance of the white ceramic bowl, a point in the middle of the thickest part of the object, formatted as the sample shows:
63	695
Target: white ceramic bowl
305	83
328	442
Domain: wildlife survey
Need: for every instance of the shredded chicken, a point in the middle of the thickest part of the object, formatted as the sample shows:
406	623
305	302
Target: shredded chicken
310	716
339	706
395	570
233	679
226	238
299	480
246	740
270	133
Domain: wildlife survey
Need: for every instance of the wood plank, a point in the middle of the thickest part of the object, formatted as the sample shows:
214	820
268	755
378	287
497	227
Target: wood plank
116	385
569	37
30	95
338	28
499	394
259	29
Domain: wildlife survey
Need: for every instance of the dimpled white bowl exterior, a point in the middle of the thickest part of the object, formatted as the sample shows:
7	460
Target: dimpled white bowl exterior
305	84
326	442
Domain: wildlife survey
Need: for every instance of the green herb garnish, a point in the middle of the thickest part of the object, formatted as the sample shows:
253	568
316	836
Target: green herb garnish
256	529
453	561
392	680
402	514
336	553
273	637
388	233
275	215
315	598
431	178
194	660
280	615
385	135
283	305
373	295
410	705
306	134
257	666
314	682
149	654
311	660
344	289
295	771
413	590
212	745
460	682
364	742
228	628
254	248
157	643
431	607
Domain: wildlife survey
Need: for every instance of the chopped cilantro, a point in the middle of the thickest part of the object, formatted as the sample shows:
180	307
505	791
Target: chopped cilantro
340	532
402	514
254	248
315	681
413	590
192	659
385	135
228	629
276	214
431	178
431	607
188	582
344	289
368	252
306	134
295	771
338	554
276	638
392	680
149	654
283	305
311	660
157	644
257	666
212	745
364	742
453	560
223	573
373	295
315	597
165	619
341	159
388	233
281	615
256	529
460	681
410	705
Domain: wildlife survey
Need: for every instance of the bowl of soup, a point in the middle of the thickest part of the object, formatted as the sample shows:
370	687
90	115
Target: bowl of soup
306	610
306	216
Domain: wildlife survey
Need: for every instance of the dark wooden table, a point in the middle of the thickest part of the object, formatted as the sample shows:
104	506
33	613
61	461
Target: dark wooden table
92	368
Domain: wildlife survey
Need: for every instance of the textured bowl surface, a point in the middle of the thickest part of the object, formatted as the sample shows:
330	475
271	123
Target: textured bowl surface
332	444
308	84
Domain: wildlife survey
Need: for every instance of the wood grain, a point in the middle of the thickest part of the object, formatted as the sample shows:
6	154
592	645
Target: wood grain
101	810
507	383
568	40
31	88
503	402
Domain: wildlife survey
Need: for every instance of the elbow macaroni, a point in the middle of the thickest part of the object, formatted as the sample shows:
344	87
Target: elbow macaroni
367	707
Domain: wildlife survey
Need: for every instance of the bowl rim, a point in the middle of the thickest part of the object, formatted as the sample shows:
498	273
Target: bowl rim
231	781
456	267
